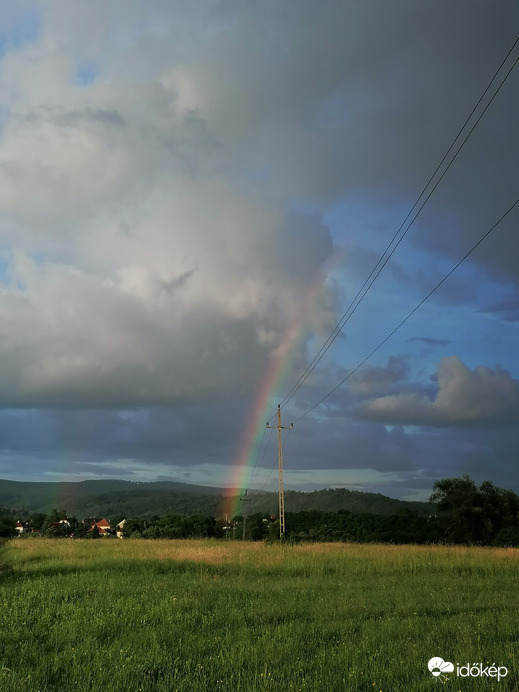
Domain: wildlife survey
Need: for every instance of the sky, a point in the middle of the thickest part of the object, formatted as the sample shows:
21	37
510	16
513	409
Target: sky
191	192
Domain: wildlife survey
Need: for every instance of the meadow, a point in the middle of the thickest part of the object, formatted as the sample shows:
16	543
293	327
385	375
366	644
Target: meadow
193	615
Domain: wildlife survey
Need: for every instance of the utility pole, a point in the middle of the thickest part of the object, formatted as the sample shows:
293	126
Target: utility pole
281	492
245	499
227	527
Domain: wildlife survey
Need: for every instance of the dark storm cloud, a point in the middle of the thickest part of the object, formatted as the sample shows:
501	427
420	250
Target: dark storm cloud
369	67
371	103
184	436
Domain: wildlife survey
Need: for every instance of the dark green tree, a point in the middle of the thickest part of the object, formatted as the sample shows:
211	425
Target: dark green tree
37	520
81	530
7	524
469	514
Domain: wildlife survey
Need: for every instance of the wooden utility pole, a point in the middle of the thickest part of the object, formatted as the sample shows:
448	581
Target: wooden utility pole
245	500
281	492
227	527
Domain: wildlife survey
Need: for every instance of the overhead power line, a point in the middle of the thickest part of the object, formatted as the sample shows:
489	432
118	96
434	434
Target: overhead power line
381	343
391	248
394	243
275	461
257	466
267	479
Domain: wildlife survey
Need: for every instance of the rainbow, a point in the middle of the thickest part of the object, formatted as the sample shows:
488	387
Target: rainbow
276	371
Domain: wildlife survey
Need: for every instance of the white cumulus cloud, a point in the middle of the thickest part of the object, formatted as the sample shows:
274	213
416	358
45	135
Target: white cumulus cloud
482	396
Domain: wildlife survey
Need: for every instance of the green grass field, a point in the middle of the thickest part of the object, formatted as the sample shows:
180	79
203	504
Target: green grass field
192	615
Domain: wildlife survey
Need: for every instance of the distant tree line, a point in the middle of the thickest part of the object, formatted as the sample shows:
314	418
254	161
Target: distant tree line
470	515
465	514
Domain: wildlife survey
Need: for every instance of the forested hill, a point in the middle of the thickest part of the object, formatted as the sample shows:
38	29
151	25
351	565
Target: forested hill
110	497
124	498
334	499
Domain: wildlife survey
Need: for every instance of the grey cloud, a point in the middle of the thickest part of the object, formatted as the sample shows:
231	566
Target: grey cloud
464	398
350	444
176	282
506	309
93	469
102	156
404	101
307	231
429	341
95	436
145	368
67	118
373	380
158	333
90	115
141	268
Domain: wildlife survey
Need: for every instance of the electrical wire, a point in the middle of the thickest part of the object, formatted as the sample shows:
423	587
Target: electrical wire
268	477
389	251
377	269
256	467
274	463
381	343
271	418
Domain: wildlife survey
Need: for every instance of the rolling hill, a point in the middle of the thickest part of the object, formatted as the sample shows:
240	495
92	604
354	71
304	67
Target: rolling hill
126	498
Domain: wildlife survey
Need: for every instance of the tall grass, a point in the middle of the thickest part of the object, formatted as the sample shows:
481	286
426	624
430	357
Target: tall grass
197	615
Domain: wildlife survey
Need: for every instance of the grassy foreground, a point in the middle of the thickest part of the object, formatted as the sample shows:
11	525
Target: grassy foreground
139	615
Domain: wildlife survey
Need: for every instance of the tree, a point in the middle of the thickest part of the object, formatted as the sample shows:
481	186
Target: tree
7	526
133	526
469	514
81	531
56	515
457	500
502	508
37	520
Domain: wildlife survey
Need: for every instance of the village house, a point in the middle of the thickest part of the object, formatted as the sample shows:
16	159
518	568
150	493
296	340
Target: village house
21	528
120	528
61	524
103	527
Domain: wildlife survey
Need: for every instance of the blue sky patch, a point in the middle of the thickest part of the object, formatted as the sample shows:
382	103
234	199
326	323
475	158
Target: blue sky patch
86	73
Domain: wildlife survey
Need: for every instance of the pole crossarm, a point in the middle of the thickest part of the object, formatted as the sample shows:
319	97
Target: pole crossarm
281	493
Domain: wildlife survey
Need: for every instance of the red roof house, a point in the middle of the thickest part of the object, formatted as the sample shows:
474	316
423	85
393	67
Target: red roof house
103	527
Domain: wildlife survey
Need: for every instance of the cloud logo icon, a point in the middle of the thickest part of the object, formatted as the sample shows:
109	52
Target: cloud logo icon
437	666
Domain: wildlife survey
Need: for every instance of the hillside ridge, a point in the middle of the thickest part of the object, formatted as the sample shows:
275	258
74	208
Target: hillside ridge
110	497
